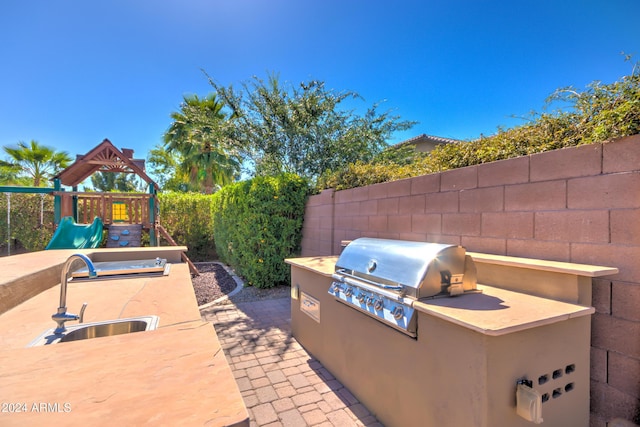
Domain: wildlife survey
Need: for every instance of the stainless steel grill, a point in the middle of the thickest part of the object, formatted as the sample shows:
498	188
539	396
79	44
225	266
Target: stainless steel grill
382	278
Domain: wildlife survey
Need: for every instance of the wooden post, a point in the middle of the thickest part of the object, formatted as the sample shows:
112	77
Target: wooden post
75	203
153	241
66	205
184	256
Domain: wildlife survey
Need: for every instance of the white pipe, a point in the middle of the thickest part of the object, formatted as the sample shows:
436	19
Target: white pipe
8	224
41	209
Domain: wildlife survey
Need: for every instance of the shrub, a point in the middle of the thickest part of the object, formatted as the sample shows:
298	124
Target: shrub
26	227
187	219
257	224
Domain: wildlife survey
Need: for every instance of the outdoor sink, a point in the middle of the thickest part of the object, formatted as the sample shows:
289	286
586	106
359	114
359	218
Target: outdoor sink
106	328
123	269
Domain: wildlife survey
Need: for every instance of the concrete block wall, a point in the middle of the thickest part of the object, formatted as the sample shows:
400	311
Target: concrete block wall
578	204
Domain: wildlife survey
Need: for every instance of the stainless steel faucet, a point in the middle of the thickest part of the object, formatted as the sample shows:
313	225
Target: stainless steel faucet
62	316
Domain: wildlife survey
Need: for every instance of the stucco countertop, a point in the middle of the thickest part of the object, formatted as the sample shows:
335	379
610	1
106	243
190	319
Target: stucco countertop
175	375
324	265
496	311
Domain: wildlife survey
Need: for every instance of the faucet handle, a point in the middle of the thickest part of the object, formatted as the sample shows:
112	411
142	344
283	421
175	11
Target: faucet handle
81	316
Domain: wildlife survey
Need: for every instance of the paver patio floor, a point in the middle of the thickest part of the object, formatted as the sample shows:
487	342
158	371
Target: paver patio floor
282	385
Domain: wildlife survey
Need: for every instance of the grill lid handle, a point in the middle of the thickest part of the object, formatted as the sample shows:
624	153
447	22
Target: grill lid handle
373	264
347	280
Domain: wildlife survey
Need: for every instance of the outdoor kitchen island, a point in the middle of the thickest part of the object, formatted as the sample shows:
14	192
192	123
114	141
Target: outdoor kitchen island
469	352
174	375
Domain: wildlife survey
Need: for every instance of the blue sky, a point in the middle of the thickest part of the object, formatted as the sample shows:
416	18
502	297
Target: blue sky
74	72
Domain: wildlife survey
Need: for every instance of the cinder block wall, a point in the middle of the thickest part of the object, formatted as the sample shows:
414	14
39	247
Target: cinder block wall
577	205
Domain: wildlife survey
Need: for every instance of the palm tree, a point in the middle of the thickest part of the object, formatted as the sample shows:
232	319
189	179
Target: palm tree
37	161
9	174
198	134
110	181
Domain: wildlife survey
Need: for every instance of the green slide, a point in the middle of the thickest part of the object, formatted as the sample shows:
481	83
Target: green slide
70	235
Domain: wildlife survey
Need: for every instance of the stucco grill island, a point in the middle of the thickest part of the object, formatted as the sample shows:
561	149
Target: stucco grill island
428	334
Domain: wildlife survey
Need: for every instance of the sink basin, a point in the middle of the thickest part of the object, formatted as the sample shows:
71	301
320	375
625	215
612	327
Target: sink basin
122	269
106	328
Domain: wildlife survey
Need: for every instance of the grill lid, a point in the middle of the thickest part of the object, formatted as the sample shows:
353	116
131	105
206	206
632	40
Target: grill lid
421	269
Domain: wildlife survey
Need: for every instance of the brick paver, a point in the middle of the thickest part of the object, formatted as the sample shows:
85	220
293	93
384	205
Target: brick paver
281	384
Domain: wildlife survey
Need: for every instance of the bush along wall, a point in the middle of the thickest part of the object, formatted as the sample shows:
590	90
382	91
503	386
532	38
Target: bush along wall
600	113
29	229
257	224
187	219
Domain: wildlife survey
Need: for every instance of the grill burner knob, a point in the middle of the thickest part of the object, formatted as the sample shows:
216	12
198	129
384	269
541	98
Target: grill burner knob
379	304
335	286
369	301
361	297
397	312
348	291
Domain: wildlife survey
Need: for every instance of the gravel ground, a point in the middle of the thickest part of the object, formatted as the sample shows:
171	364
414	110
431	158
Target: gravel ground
214	282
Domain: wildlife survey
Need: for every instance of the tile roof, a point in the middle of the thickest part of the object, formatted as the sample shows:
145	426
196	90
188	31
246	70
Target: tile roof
427	138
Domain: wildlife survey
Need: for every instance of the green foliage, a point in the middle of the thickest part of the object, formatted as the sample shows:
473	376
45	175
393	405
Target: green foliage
165	168
395	162
36	161
119	182
25	220
302	129
198	135
400	155
257	224
10	174
604	111
187	219
600	113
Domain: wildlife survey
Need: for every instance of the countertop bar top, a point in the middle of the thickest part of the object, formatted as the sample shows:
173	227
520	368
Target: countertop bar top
323	265
175	375
497	311
493	311
544	265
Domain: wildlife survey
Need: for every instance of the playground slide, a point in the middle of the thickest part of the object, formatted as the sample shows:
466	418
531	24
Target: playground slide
70	235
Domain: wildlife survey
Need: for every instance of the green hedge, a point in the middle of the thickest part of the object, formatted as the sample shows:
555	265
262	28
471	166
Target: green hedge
257	224
187	219
185	216
26	228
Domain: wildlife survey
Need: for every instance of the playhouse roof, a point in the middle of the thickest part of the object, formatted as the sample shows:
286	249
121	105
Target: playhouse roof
105	157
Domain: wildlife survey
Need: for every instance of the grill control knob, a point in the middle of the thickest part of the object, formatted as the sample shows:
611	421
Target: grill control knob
369	301
361	297
335	287
348	291
379	304
397	312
